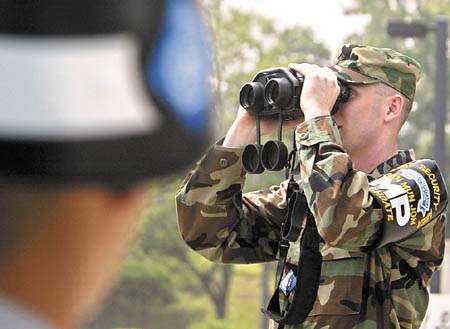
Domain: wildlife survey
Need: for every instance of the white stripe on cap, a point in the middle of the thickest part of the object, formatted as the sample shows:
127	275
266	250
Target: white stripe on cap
54	88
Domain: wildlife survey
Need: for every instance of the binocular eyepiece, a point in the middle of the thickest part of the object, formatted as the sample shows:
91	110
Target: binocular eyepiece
275	92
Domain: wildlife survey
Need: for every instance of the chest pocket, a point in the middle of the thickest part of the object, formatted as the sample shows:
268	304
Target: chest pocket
341	287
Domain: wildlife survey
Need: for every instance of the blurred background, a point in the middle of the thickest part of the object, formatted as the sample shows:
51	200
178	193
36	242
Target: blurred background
165	285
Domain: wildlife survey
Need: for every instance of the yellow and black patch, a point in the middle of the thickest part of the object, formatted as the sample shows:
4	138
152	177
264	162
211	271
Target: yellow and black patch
410	196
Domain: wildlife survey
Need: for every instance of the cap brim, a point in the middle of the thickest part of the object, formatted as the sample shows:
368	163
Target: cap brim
351	77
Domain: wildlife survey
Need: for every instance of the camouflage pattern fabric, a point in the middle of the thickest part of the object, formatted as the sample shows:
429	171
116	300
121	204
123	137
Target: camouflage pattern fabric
361	286
368	65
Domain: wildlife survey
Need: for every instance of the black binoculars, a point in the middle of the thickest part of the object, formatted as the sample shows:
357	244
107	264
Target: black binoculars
275	92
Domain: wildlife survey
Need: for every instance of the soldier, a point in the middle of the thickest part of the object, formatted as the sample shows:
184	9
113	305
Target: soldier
90	90
379	212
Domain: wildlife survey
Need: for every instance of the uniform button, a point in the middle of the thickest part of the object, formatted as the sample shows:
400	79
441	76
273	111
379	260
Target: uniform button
223	162
303	136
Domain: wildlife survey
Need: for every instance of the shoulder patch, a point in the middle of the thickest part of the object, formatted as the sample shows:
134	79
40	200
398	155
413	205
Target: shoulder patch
410	196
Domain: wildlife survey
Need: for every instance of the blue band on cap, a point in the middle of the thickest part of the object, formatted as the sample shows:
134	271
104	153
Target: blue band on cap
180	66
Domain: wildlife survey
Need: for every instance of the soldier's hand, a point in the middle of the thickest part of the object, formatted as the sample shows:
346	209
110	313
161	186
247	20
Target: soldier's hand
320	89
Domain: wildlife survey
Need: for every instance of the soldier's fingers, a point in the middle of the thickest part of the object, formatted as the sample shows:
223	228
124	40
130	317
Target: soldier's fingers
313	71
304	68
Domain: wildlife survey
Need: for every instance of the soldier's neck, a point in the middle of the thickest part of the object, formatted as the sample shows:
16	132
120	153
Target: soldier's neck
368	159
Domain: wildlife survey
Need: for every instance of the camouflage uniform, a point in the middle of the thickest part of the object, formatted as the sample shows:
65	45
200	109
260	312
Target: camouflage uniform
375	267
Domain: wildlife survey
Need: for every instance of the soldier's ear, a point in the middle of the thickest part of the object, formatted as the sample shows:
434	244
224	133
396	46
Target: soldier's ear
393	108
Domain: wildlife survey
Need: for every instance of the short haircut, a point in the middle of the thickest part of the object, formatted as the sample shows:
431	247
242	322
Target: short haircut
385	90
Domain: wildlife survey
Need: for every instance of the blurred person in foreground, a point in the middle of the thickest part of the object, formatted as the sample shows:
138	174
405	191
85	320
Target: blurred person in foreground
379	212
93	106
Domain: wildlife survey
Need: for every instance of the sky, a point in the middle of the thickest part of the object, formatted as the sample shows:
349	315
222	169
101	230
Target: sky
325	17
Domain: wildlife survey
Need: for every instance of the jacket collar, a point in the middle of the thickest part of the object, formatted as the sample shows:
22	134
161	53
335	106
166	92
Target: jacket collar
402	157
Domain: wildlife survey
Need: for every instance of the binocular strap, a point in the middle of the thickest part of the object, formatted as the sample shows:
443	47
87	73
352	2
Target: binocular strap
308	269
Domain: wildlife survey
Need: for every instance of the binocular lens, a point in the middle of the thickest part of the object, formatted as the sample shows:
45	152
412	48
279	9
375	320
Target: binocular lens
274	155
251	159
278	91
252	96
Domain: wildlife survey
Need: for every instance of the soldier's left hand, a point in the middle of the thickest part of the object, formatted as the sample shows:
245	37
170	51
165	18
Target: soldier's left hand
320	89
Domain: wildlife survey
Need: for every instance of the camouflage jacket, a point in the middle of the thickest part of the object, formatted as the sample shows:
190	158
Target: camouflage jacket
376	262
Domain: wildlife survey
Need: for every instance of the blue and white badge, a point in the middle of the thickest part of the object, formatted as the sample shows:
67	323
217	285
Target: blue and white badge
423	204
288	283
